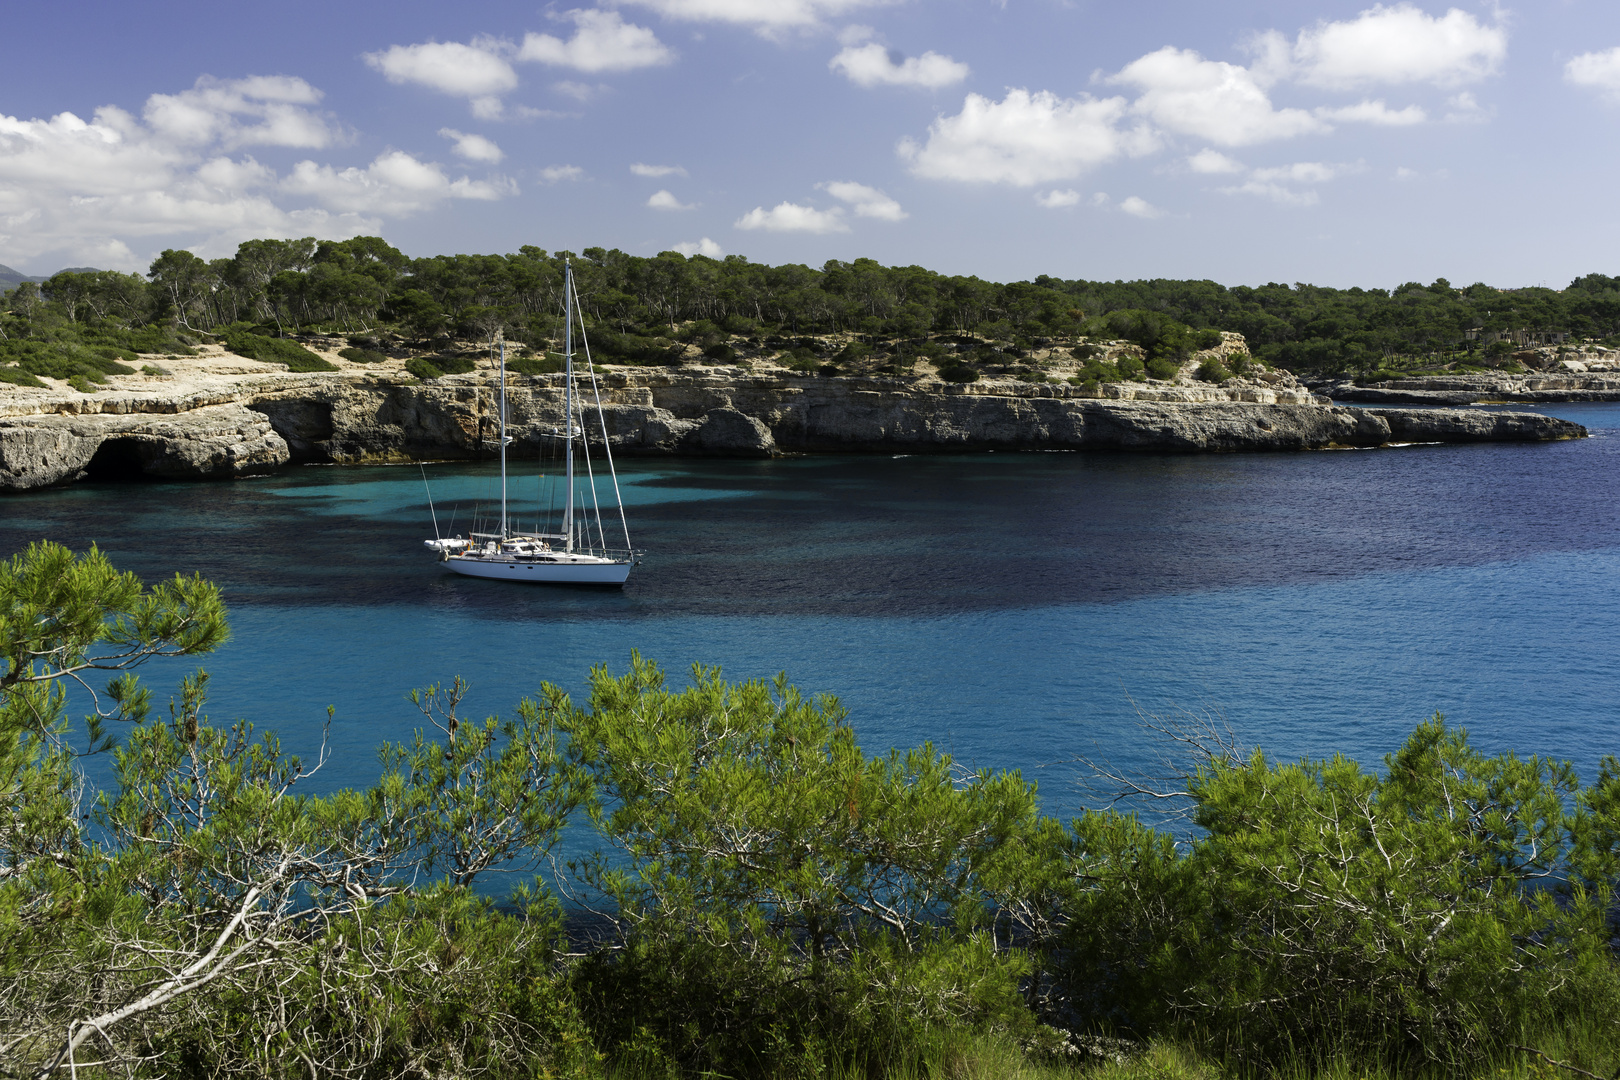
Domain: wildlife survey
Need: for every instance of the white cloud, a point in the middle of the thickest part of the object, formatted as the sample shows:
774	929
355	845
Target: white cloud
478	71
1301	172
552	174
395	183
1275	192
766	16
1057	199
1213	162
577	90
867	201
602	41
473	147
657	170
791	217
1375	112
665	200
1598	71
1141	208
871	65
1025	139
1274	182
1464	108
1398	44
96	191
1210	99
213	111
704	246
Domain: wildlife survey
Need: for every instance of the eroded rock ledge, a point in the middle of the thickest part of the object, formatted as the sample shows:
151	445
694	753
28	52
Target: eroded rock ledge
220	423
1470	389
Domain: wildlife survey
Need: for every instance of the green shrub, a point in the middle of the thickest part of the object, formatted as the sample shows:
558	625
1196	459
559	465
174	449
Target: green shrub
153	369
1213	371
82	384
549	364
747	837
800	359
1131	369
423	368
362	356
720	352
1205	339
1413	913
610	347
455	363
959	373
244	342
1099	371
62	360
1159	368
18	377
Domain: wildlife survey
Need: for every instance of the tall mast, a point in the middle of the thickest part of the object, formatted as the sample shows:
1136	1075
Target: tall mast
500	336
568	399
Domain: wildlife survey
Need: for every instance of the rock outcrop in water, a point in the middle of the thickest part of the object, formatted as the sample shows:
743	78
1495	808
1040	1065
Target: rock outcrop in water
228	416
215	441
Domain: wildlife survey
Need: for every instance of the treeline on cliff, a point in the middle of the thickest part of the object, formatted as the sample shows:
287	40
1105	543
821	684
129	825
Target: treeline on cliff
755	895
641	306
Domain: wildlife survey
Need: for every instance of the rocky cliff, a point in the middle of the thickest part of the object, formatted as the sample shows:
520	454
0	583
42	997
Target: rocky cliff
224	416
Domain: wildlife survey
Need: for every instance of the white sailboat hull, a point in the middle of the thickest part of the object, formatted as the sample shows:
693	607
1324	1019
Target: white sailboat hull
563	571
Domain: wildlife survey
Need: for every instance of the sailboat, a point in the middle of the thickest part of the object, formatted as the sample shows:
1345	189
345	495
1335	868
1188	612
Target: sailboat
579	552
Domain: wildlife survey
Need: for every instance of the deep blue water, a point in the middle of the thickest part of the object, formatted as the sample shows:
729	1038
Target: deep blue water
1015	609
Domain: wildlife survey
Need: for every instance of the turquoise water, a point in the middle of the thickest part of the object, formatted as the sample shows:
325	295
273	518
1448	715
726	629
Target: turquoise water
1019	610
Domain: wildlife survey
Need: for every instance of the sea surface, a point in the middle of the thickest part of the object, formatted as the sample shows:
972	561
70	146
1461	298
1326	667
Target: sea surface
1019	610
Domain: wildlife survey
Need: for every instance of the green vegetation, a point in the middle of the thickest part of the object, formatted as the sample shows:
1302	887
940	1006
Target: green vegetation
776	902
423	368
858	316
362	356
549	364
243	340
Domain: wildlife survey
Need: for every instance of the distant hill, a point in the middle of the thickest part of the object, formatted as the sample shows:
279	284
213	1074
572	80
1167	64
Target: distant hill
10	279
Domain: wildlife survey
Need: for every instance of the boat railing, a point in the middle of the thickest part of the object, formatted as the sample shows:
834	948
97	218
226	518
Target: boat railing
616	554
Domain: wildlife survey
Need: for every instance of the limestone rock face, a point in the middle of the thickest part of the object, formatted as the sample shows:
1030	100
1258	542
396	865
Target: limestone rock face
1473	425
215	441
226	428
733	434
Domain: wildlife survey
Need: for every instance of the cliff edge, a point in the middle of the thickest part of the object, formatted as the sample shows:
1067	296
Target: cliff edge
218	415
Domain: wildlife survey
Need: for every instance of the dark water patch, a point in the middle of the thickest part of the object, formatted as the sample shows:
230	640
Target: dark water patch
877	536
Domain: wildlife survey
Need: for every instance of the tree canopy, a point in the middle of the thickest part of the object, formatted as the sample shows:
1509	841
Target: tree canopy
638	305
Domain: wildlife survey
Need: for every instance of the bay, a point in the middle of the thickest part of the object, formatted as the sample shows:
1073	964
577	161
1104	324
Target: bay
1018	610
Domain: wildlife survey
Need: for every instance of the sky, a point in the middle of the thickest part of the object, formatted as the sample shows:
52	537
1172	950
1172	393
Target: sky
1268	140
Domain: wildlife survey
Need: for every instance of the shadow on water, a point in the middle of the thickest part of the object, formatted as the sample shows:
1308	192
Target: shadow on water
873	536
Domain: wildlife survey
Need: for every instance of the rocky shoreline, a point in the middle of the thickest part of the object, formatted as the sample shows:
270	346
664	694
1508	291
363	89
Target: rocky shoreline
219	415
1535	388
